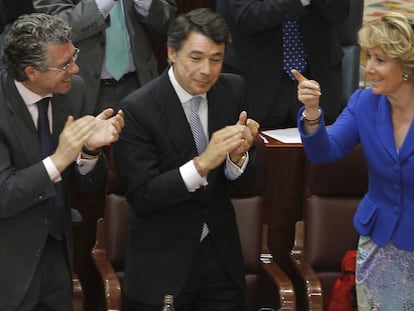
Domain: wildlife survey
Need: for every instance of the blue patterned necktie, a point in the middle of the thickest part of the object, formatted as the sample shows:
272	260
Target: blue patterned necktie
200	140
116	49
294	54
47	147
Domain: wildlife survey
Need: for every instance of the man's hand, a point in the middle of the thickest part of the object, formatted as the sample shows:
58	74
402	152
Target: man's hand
106	129
221	143
73	137
235	140
91	132
249	135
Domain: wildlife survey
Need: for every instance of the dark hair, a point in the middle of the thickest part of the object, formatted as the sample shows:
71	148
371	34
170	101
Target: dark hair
26	43
203	21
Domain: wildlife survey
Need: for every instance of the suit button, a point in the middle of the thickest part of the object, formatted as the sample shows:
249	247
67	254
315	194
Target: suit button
46	221
38	253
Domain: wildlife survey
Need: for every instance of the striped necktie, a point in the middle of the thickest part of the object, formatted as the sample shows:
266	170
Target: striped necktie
196	126
200	140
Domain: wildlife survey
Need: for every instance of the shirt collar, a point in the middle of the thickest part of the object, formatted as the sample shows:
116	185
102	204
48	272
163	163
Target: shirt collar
28	96
182	94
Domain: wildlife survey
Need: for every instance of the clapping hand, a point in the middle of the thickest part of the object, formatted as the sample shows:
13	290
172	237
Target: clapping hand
106	129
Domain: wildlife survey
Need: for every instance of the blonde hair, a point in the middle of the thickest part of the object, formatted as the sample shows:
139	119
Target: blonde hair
394	34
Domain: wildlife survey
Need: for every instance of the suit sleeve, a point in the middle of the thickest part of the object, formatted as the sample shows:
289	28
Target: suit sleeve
333	11
251	16
83	16
161	15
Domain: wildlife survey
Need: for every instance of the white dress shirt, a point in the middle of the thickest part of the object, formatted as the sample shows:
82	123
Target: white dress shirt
188	171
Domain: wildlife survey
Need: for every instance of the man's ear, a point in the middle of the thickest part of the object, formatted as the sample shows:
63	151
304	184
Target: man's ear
172	56
31	73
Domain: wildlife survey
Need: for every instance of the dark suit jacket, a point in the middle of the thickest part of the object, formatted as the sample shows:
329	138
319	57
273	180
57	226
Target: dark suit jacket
256	51
25	187
88	30
16	8
165	228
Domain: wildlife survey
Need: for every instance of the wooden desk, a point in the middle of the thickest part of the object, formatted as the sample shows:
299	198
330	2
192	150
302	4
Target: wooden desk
283	191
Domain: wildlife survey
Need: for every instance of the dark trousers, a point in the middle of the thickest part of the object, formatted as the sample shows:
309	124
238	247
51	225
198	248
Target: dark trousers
112	92
208	288
51	287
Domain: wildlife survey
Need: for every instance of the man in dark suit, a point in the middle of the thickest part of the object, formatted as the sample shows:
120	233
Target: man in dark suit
91	20
35	216
10	10
183	237
257	54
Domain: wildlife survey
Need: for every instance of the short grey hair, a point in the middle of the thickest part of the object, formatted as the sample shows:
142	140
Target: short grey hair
26	43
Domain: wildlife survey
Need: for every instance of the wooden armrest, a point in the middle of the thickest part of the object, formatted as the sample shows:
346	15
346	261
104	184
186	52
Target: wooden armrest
311	281
110	280
77	293
287	299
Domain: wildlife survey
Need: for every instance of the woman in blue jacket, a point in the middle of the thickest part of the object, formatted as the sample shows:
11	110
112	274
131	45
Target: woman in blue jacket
380	119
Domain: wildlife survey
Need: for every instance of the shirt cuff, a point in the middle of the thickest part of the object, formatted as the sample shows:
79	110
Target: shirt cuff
232	170
85	165
51	169
305	2
142	6
104	6
191	177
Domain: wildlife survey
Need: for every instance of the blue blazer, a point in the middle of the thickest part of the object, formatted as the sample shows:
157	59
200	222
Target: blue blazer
386	213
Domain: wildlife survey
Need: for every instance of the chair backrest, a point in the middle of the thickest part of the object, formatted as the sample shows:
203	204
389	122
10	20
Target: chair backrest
333	193
329	233
116	217
249	211
249	221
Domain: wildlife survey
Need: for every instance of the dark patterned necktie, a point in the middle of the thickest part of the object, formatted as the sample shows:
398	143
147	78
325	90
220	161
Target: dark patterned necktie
294	54
47	147
200	140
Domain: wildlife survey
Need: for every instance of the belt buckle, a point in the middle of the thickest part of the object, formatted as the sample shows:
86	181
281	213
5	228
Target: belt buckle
110	82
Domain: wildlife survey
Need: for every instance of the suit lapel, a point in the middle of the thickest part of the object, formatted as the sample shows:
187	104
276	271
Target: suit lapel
20	120
174	120
386	133
59	115
216	111
384	127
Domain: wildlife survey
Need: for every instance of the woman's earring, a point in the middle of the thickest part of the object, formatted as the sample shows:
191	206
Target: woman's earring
405	76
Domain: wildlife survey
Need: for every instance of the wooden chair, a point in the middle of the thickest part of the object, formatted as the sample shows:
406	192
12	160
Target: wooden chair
109	252
326	232
78	299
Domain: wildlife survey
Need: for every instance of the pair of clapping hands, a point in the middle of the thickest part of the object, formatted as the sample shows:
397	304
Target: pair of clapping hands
86	132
